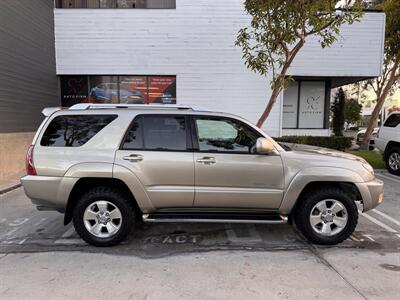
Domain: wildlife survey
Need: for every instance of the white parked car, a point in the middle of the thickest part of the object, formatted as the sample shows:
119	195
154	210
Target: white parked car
360	137
388	142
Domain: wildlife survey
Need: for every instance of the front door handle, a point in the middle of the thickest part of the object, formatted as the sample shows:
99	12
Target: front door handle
133	158
207	160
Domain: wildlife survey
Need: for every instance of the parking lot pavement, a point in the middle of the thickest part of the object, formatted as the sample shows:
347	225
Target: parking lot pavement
209	261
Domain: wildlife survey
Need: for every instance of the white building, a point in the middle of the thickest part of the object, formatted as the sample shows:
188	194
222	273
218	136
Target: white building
183	51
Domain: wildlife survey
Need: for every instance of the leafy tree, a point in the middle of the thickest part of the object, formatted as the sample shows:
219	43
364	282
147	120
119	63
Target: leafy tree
280	28
352	111
338	113
386	84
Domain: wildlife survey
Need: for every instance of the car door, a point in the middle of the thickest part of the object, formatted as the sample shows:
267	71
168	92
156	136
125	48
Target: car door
228	171
155	149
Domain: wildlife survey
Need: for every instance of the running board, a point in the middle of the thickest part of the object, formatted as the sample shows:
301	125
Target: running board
181	217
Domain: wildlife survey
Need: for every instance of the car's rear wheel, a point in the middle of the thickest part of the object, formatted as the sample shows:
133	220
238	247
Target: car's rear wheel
327	216
393	160
103	216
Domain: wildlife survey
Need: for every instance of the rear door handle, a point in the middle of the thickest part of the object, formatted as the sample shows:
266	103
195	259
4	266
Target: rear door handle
207	160
133	158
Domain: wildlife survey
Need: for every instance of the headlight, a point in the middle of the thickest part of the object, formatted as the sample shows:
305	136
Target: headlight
368	167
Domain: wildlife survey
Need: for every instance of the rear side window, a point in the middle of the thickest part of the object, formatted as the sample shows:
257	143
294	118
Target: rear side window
392	121
163	132
74	130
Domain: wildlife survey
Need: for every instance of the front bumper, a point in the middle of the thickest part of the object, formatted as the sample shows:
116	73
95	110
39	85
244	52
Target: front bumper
371	193
50	193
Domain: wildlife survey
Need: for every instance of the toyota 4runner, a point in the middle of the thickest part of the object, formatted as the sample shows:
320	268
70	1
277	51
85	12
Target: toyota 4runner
107	167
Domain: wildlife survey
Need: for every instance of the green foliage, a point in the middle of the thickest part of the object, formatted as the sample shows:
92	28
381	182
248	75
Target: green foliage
338	113
279	29
372	157
352	111
392	33
340	143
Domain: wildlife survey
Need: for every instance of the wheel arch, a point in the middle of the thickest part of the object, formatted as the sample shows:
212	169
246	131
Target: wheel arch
310	179
87	183
349	187
389	146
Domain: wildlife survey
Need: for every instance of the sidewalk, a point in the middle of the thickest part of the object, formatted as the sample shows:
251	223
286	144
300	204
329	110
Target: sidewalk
9	184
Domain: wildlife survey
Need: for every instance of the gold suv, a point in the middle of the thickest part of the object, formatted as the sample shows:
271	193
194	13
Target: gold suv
106	167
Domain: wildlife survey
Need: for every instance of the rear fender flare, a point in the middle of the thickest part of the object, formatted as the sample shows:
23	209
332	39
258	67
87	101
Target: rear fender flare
136	187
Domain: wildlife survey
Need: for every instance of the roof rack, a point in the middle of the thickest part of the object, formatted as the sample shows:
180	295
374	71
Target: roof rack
85	106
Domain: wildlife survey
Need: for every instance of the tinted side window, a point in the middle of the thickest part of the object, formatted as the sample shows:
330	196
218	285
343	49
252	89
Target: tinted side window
164	133
392	121
134	138
225	135
74	130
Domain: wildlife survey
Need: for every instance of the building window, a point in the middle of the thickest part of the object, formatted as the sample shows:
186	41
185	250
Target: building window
125	89
74	89
304	105
127	4
104	89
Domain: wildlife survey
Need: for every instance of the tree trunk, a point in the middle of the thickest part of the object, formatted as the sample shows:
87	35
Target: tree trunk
379	104
268	109
375	114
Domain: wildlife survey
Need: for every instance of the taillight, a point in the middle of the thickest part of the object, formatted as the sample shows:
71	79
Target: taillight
30	167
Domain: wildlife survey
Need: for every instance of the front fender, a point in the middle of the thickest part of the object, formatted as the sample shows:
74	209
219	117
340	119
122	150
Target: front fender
314	174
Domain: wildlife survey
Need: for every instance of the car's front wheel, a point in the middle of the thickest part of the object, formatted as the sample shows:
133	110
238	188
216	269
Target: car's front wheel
103	216
327	216
393	160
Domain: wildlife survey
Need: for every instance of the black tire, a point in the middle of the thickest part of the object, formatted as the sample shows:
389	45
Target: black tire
123	203
305	206
390	152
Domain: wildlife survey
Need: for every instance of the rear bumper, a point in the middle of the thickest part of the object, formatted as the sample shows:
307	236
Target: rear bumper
48	192
371	193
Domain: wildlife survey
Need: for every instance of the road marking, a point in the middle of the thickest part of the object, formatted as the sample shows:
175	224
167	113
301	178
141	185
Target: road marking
23	241
379	223
70	242
40	222
386	217
8	234
398	235
369	237
66	238
68	233
18	222
12	231
388	177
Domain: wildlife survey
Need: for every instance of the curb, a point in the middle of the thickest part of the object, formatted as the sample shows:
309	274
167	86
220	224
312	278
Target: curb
10	188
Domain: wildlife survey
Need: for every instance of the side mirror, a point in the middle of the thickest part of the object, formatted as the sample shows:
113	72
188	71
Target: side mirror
264	146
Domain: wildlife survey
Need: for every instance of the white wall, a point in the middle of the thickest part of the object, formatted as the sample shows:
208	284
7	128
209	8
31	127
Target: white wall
358	52
195	42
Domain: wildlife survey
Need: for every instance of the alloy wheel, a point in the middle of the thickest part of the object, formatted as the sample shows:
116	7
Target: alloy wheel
394	161
328	217
102	219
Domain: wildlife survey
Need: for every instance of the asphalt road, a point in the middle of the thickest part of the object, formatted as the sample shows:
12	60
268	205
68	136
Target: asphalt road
41	258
